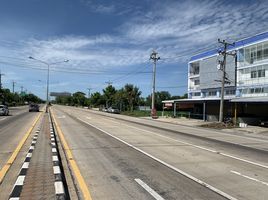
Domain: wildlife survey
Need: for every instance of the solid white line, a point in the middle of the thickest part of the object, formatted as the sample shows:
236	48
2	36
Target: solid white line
25	165
148	189
54	150
56	169
59	187
14	198
3	118
248	177
164	163
20	180
200	147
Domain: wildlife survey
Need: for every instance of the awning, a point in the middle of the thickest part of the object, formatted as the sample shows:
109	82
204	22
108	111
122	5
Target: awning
251	100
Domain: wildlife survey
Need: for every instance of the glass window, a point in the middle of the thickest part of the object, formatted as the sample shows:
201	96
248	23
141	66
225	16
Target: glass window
261	73
197	82
265	51
259	52
240	55
253	74
247	55
212	93
253	54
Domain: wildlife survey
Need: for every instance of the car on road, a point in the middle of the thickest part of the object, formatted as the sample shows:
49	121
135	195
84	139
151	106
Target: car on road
113	110
4	110
264	123
33	108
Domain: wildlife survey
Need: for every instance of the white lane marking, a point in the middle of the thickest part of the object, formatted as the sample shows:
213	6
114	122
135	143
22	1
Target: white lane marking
29	155
54	150
31	147
20	180
53	144
33	142
56	169
14	198
55	158
248	177
89	117
166	164
59	187
25	165
199	147
148	189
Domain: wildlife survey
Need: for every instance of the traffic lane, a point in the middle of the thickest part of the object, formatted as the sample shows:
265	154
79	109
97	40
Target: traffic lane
113	170
13	111
215	169
243	140
226	149
12	131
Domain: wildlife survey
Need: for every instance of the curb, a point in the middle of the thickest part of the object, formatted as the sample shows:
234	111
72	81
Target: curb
58	184
17	188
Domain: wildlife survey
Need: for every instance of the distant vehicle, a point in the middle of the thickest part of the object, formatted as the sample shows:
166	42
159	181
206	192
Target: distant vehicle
113	110
105	109
33	108
264	123
4	110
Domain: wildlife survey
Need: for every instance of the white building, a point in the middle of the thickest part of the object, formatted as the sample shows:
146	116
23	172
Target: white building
246	94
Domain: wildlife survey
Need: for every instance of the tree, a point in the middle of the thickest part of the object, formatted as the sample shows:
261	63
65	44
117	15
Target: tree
79	98
108	94
97	99
132	95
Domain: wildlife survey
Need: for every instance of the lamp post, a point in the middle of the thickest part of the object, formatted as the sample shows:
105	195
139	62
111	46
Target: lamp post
48	66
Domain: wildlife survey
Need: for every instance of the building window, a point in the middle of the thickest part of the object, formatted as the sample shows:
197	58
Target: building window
253	74
261	73
194	68
197	82
258	73
212	93
256	90
230	92
197	94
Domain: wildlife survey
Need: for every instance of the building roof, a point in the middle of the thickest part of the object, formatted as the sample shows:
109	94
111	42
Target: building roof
237	44
195	100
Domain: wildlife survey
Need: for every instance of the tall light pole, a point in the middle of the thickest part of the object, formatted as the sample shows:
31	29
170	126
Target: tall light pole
48	66
155	58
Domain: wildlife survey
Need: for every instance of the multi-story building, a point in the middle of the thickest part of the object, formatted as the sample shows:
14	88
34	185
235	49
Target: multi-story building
246	87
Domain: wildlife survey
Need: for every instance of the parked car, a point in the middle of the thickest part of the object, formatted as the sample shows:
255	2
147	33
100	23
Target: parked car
33	108
113	110
4	110
264	123
105	109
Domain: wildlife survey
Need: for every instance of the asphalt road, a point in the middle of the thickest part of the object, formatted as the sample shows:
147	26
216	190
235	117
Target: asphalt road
12	129
121	159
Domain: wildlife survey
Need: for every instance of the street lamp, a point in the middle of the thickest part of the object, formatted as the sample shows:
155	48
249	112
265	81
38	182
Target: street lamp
48	66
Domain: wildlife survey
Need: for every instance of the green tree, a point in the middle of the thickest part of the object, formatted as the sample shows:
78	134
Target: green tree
108	94
132	95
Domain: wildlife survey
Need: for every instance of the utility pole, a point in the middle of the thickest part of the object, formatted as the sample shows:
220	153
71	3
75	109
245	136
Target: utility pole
1	79
89	92
155	58
223	69
21	87
13	87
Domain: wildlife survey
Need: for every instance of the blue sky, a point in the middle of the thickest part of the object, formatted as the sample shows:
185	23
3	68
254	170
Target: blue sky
112	40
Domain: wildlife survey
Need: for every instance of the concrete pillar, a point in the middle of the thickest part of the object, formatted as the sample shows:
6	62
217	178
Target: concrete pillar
175	107
204	111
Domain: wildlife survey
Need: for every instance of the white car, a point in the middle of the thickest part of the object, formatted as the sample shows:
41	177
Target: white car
4	110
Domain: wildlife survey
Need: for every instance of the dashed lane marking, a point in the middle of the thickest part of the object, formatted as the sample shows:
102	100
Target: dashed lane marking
10	161
248	177
199	147
148	189
166	164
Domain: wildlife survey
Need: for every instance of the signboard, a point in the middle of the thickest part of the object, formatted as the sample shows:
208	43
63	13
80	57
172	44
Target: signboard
60	94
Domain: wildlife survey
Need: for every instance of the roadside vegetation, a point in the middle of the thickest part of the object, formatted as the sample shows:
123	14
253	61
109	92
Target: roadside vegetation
127	99
16	99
